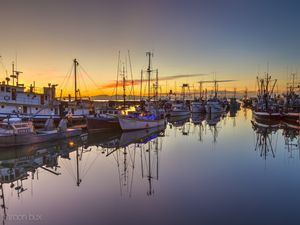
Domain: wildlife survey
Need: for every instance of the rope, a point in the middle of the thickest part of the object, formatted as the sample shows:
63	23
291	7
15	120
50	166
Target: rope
67	77
91	79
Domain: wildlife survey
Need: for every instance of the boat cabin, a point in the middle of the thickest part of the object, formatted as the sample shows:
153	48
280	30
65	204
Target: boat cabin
15	126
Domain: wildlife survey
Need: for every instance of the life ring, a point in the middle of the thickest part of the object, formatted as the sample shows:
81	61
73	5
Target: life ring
6	98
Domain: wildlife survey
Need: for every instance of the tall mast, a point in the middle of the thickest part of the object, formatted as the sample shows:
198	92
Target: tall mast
124	85
13	76
149	54
215	88
75	77
117	82
293	84
156	86
132	81
141	85
200	89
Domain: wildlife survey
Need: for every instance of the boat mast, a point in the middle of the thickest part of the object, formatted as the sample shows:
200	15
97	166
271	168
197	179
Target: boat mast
124	85
215	81
132	81
149	54
200	89
141	85
75	77
13	76
156	86
117	82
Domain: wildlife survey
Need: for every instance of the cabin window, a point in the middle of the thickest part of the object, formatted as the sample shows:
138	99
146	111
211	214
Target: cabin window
13	94
24	109
2	88
7	89
55	111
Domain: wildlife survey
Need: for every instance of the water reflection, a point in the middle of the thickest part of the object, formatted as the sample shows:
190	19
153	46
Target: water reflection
197	118
20	164
124	148
265	132
199	127
136	162
212	121
291	138
267	135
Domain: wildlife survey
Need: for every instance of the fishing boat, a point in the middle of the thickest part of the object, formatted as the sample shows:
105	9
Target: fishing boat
137	121
198	106
179	109
16	132
17	99
103	121
150	117
291	109
215	104
266	107
106	119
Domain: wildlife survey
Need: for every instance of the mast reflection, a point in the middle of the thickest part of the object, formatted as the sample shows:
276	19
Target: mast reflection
212	120
264	132
23	163
291	138
125	149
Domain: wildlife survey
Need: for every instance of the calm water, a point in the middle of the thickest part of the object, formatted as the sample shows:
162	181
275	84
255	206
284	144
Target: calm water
221	170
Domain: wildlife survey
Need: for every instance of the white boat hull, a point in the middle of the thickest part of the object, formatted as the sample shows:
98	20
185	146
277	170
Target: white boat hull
139	124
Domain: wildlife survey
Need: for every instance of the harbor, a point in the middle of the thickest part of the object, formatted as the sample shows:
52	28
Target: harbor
161	112
140	171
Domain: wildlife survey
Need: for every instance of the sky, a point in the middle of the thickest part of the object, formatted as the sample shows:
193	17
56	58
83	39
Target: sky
233	39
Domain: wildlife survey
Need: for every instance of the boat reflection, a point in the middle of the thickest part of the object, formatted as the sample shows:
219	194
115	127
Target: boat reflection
264	133
144	143
20	164
178	121
212	120
197	118
291	138
199	127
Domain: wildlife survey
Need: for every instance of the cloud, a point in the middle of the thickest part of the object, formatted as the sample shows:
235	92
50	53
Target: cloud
112	84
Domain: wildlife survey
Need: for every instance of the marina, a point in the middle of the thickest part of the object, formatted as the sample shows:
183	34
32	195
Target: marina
148	168
161	112
209	145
